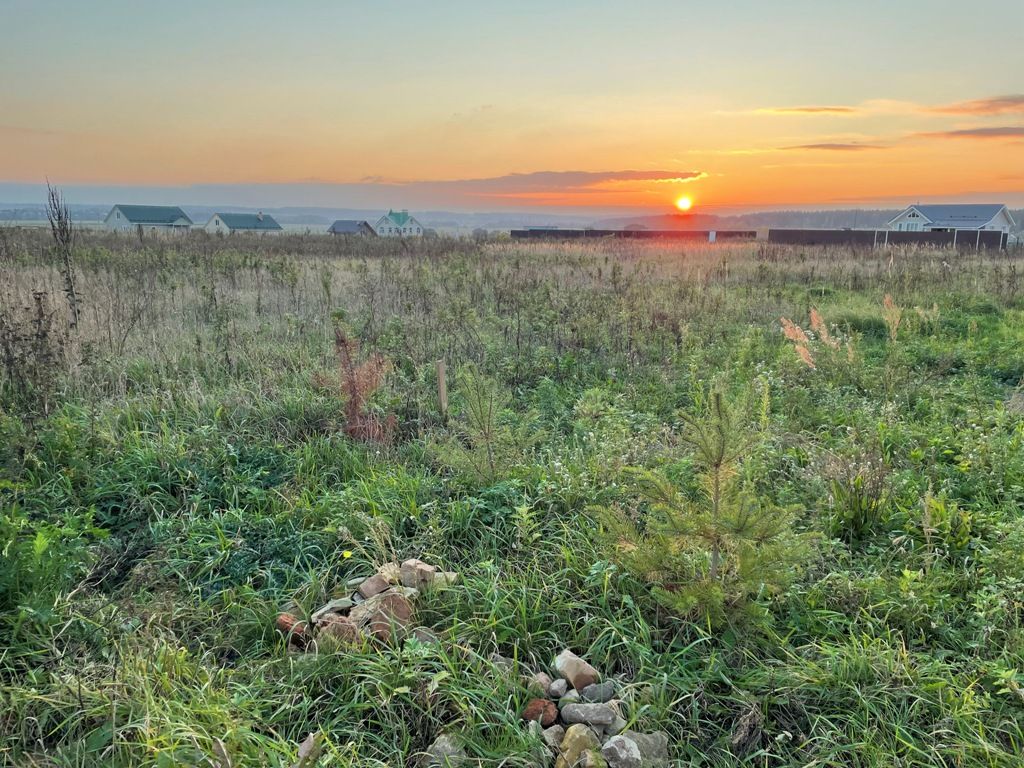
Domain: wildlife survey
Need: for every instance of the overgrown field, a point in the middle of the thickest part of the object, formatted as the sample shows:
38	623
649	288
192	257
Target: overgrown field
794	543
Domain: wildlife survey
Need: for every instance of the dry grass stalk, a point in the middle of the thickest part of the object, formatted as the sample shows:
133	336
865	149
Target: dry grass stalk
63	232
796	334
893	315
819	326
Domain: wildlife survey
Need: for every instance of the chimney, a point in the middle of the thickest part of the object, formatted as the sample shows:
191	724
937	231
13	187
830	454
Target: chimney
259	216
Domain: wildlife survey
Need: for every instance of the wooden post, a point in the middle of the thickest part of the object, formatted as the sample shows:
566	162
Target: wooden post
442	388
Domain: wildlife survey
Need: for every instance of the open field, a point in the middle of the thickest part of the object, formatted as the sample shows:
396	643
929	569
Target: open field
183	464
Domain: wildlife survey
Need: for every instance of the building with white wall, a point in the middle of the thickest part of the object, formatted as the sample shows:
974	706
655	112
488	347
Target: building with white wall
398	224
229	223
147	218
949	218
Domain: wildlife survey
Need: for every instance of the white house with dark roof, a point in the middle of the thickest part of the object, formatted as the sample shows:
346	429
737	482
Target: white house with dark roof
948	218
398	224
352	227
229	223
149	218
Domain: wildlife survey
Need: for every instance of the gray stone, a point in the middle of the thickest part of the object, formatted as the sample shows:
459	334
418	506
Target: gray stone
558	688
571	697
618	726
447	750
591	714
552	736
599	693
334	606
653	747
592	759
621	752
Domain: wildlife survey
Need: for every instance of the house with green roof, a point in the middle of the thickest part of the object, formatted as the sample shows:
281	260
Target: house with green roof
147	218
228	223
398	224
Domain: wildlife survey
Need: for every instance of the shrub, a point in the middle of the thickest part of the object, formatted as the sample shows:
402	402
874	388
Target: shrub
858	495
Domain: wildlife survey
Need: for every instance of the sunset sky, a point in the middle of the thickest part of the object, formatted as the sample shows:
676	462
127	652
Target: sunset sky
490	106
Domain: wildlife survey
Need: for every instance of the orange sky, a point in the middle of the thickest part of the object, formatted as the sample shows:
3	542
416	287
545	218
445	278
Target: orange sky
831	105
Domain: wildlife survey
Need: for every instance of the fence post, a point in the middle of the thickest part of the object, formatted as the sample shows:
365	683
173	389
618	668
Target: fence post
442	388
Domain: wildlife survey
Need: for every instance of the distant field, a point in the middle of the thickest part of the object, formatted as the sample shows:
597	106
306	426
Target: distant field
844	589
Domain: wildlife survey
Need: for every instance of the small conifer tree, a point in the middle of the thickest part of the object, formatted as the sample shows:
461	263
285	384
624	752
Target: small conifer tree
483	446
714	555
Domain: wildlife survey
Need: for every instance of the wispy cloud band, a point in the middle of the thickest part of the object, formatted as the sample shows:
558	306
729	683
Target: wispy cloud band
986	133
809	110
829	146
996	105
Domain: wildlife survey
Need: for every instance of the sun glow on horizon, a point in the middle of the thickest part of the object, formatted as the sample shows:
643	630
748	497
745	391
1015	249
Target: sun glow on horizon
684	203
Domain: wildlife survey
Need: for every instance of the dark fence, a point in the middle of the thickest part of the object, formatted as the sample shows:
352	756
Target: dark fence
963	239
639	234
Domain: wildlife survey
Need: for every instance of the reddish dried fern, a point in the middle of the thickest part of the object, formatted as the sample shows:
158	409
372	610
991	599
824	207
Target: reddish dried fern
357	381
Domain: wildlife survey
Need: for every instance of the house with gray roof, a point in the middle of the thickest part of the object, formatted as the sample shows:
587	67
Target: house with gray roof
352	227
229	223
147	218
950	218
398	224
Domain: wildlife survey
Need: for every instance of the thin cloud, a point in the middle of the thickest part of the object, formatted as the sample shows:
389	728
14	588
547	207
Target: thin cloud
996	105
809	110
994	132
561	181
866	108
835	147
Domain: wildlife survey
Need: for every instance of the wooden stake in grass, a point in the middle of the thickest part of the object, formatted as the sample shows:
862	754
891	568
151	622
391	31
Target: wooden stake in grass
442	388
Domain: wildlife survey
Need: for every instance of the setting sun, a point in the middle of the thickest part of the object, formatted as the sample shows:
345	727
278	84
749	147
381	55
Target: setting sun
684	203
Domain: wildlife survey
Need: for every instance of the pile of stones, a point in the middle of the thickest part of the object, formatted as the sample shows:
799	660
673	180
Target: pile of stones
581	720
378	607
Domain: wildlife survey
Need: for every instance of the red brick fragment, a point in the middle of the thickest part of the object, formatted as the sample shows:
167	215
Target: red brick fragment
543	711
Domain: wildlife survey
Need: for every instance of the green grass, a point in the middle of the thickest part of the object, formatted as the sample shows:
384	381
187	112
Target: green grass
180	477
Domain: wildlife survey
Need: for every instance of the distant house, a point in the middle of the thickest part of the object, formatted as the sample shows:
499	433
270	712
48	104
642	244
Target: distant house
228	223
155	218
948	218
352	227
398	224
